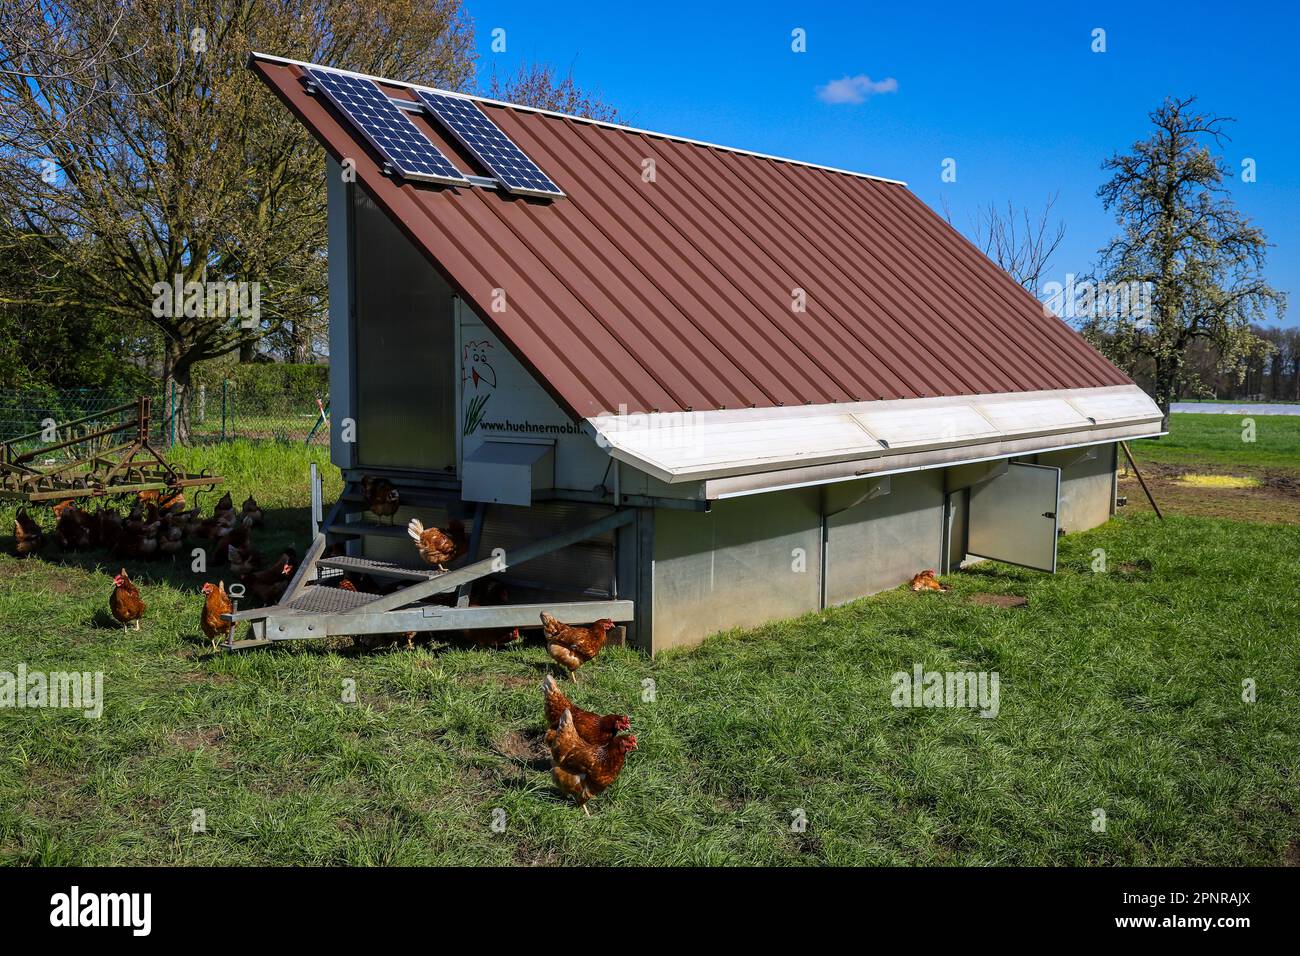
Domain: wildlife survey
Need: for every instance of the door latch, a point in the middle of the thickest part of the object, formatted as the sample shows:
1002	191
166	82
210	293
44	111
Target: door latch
1050	514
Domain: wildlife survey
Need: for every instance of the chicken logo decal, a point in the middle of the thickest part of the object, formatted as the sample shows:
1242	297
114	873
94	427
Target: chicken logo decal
476	370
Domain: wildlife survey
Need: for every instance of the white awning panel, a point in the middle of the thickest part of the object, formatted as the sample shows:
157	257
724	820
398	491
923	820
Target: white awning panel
696	446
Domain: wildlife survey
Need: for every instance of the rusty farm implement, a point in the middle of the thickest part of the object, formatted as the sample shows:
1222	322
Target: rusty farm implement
99	455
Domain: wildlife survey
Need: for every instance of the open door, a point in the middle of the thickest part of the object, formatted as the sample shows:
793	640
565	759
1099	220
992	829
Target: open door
1012	517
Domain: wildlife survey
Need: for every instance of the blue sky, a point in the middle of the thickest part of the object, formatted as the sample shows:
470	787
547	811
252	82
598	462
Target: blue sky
1014	94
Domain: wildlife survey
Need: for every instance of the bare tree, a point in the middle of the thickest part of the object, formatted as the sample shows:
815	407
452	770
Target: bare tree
1020	241
536	85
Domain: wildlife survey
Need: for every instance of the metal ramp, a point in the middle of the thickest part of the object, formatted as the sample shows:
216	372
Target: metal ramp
426	599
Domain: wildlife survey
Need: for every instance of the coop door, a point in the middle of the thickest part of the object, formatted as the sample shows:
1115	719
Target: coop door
1012	517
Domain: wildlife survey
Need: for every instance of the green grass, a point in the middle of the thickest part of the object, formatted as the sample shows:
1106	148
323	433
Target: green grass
1119	691
1217	440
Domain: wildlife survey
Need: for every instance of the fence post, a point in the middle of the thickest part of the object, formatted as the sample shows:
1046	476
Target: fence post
203	403
225	401
172	442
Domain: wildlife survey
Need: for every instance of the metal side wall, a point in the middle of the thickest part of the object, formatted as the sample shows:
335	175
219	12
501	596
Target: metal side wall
747	561
879	543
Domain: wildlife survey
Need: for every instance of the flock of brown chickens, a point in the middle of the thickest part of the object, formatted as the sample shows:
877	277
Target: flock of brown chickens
158	525
587	750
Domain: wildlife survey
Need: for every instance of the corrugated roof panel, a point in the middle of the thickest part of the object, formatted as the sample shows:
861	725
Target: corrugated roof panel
677	294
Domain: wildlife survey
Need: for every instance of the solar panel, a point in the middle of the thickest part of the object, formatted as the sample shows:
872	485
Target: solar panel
389	130
493	148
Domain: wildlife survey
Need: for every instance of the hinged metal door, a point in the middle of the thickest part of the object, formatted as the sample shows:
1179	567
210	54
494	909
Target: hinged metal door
1012	517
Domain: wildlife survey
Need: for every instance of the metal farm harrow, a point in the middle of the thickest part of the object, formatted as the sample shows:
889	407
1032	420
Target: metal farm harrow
91	457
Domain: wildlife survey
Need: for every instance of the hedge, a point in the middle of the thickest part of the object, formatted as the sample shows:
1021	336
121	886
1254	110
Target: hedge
267	381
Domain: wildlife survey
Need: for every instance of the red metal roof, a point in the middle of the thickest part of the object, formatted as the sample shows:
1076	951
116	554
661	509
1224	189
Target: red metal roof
676	294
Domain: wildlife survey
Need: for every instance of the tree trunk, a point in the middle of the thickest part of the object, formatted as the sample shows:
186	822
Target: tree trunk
300	343
177	394
246	351
1166	386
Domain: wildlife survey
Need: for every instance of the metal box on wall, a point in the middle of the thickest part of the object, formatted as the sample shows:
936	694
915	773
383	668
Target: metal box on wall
507	473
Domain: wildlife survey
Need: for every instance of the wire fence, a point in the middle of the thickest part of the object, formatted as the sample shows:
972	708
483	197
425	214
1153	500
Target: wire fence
215	414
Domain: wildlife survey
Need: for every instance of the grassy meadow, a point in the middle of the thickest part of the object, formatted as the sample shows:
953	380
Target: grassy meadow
1120	690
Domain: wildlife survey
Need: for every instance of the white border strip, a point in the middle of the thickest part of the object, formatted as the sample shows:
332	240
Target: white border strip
269	58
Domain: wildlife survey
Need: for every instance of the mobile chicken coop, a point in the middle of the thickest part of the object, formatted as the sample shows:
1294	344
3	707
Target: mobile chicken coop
679	385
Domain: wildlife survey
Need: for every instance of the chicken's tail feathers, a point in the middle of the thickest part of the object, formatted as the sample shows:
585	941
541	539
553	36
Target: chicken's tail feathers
415	529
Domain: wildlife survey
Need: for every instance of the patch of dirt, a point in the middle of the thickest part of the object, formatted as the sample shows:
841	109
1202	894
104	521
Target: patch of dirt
194	739
1275	500
999	600
1291	855
1135	569
523	745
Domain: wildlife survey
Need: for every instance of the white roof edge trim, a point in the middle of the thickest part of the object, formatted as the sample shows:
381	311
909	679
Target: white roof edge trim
699	446
271	58
742	493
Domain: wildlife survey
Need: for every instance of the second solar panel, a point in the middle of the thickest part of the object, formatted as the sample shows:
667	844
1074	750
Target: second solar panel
493	148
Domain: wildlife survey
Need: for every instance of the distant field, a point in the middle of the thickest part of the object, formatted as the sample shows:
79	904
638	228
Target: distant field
1218	440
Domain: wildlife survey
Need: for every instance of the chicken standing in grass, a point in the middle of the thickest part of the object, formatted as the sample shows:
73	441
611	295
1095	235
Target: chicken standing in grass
226	506
570	646
124	603
252	511
30	537
382	497
215	603
584	770
593	728
438	547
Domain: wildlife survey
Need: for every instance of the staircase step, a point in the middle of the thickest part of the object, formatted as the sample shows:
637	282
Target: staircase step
380	569
318	598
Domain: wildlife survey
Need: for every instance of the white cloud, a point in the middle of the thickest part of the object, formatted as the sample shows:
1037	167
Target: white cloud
855	89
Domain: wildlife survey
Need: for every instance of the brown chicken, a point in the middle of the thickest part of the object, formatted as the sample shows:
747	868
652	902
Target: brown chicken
584	770
110	527
224	507
124	602
30	537
438	547
215	603
268	585
381	497
71	531
171	537
245	560
926	581
574	646
168	501
593	728
251	510
236	537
